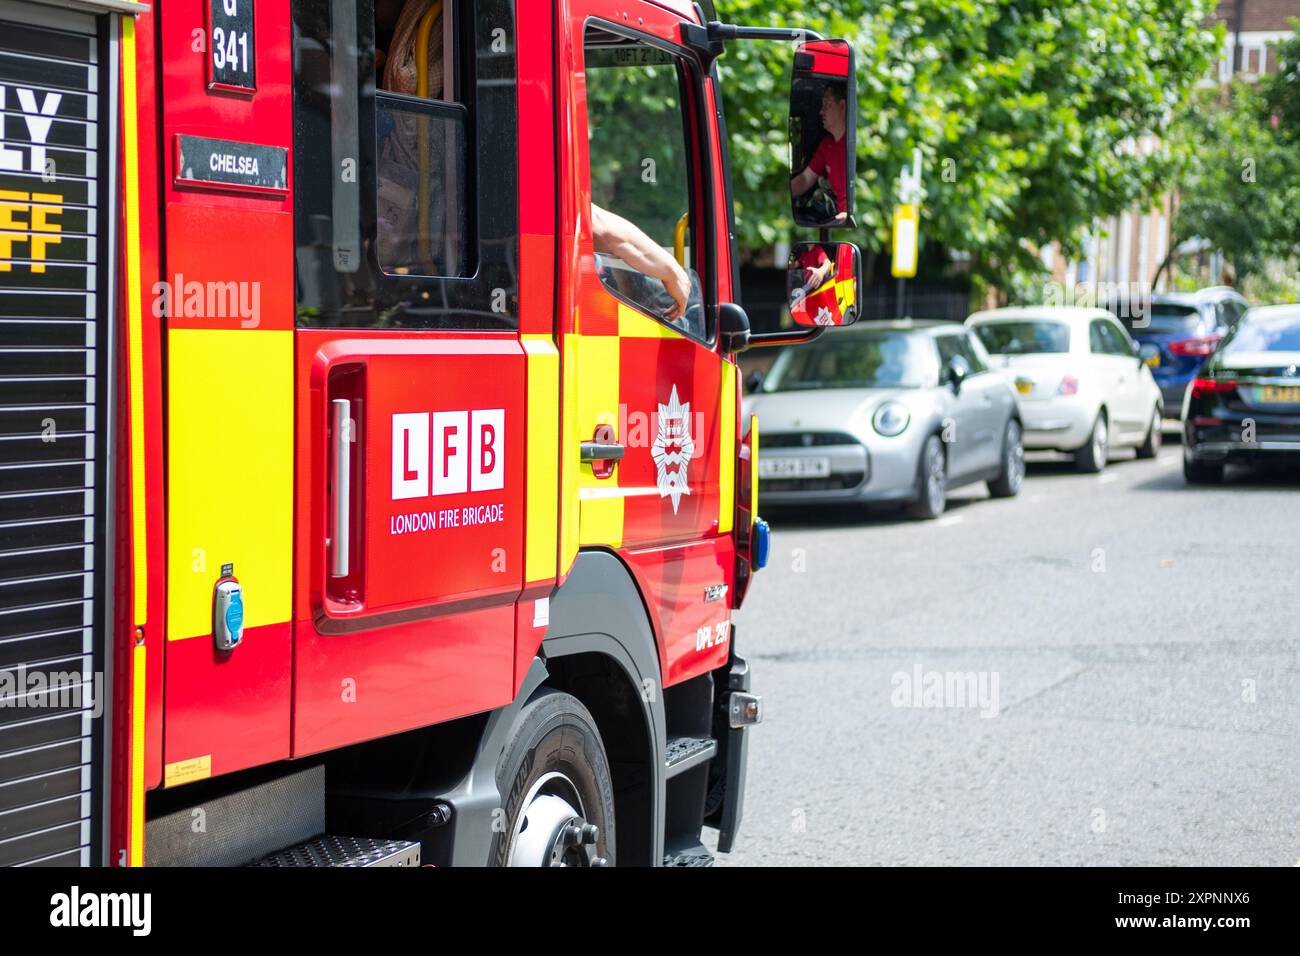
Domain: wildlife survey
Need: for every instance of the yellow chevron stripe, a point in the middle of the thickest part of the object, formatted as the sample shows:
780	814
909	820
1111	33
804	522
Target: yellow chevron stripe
600	519
135	855
230	464
633	325
543	440
753	467
727	450
135	346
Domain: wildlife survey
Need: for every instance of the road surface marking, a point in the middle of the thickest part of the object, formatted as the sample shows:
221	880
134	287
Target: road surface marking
948	520
1107	479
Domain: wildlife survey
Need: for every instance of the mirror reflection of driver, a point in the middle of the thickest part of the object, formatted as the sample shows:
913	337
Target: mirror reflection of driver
817	268
829	159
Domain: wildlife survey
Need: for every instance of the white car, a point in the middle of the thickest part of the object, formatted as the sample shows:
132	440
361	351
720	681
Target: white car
1083	386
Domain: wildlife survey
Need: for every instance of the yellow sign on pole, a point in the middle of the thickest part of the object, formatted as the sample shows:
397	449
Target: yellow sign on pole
906	234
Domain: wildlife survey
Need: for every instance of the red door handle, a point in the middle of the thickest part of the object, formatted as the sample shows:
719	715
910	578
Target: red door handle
603	452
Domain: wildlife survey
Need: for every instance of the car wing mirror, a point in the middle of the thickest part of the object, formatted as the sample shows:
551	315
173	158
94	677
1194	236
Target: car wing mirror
958	370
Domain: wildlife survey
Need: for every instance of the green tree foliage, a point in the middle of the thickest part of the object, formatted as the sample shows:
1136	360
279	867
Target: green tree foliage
1026	113
1233	192
1280	93
1241	187
1281	90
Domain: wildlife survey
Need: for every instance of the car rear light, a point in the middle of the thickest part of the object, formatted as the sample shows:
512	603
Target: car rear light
1212	386
1069	386
1199	347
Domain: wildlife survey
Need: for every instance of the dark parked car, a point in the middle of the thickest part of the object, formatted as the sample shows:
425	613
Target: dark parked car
1185	327
1244	403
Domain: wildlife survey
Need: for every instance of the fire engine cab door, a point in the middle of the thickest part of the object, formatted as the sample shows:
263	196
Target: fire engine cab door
645	366
410	373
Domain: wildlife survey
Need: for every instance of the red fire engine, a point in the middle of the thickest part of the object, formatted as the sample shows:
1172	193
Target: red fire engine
372	455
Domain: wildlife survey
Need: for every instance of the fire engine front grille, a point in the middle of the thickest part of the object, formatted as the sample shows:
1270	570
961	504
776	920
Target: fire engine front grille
53	472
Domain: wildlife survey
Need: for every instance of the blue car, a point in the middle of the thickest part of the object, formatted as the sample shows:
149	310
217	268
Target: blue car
1186	328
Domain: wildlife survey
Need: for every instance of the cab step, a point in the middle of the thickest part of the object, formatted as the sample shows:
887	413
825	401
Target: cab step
694	854
329	850
686	753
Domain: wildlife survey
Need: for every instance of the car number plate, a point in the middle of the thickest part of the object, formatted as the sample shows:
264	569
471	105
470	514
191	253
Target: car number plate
1281	394
794	467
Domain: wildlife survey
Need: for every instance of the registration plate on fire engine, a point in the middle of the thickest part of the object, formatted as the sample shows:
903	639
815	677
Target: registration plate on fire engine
794	467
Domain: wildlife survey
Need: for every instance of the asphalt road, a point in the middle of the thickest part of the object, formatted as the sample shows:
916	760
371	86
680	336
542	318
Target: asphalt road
1109	674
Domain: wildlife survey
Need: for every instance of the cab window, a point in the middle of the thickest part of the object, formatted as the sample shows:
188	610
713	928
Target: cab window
644	227
405	163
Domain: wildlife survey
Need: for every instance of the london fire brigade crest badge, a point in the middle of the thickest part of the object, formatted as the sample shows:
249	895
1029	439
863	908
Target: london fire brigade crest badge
672	449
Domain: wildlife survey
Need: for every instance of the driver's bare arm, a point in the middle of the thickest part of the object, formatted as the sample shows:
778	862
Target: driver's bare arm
819	274
613	235
802	182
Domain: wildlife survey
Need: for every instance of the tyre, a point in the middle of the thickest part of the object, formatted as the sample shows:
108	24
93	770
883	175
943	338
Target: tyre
931	480
555	783
1007	484
1151	447
1202	472
1091	458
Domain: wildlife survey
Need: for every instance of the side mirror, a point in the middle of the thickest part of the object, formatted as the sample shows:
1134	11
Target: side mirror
823	118
958	370
824	282
753	381
733	328
1149	355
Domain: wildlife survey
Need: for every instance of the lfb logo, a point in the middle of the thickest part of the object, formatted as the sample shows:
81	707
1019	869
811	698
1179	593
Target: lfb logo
467	452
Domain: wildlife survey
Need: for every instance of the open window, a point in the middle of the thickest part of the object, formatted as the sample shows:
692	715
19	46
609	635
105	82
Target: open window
406	178
648	211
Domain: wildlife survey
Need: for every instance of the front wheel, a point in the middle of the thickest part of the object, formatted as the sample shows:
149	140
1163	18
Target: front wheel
1007	484
932	481
1151	447
555	782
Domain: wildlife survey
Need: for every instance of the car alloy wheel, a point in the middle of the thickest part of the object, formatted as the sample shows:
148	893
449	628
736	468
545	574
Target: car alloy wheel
1007	484
1100	440
1091	458
931	481
1150	447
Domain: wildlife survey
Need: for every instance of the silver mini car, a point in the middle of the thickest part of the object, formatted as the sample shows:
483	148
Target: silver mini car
896	411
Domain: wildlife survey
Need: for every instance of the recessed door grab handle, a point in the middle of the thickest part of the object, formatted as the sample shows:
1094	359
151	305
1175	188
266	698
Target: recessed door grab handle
341	479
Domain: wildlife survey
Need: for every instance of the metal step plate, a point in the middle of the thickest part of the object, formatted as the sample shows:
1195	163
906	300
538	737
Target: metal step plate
695	855
329	850
684	753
